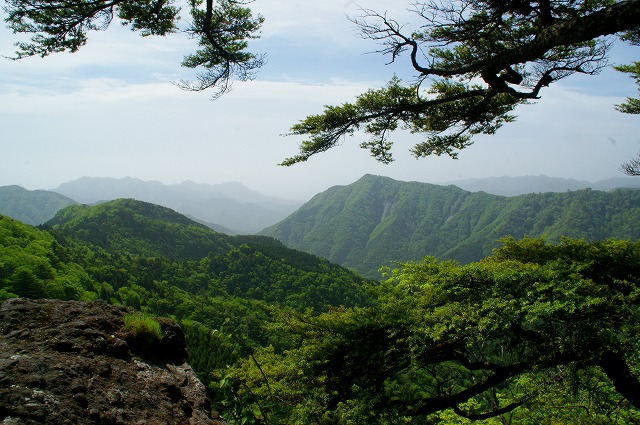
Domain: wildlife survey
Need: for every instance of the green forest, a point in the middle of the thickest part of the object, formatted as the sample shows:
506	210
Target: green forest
537	332
155	260
378	220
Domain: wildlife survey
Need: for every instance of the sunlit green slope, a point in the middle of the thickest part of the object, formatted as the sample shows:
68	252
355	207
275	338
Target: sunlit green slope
377	220
31	206
155	260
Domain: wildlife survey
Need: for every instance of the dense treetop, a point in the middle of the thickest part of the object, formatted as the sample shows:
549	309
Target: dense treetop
536	333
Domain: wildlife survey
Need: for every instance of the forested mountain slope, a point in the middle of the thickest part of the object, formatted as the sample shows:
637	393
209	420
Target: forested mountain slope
151	258
127	231
31	206
140	228
377	220
264	323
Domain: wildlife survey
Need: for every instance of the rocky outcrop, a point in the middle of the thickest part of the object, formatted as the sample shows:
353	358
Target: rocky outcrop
69	362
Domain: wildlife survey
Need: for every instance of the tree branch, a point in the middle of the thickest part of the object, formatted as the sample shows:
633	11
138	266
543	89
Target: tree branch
621	16
487	415
625	382
434	404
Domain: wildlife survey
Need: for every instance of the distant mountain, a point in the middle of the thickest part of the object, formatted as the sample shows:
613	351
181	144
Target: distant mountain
377	220
230	207
617	183
513	186
31	206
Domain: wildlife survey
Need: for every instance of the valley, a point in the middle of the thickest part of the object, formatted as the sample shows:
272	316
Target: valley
303	301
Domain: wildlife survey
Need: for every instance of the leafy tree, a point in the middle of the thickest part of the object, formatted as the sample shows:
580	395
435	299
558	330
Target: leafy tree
524	336
223	29
632	105
480	58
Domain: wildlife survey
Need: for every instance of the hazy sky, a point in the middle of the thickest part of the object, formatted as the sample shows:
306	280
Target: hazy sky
111	110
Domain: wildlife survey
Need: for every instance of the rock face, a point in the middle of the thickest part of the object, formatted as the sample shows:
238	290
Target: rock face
69	362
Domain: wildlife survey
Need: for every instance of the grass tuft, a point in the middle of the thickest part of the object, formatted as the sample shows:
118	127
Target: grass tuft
139	325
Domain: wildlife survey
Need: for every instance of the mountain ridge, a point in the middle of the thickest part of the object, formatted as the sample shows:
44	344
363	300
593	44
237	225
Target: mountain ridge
521	185
377	220
230	205
31	206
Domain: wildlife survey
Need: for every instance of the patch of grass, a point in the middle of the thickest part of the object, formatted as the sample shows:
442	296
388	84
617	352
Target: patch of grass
141	326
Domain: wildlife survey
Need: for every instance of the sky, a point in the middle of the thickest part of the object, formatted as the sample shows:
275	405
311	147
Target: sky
112	110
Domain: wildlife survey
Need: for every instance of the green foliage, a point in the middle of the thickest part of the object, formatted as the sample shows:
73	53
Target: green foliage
223	29
59	26
377	220
154	260
475	62
632	105
536	333
149	17
34	265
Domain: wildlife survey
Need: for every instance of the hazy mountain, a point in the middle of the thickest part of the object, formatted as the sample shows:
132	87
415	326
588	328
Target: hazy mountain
31	206
617	183
512	186
228	205
377	220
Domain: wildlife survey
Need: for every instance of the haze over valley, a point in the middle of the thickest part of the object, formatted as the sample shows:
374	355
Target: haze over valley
374	221
232	207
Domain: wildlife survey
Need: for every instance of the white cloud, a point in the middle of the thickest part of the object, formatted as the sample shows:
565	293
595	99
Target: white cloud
322	19
110	110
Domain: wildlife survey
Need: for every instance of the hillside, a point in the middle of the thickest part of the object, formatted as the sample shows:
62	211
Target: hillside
139	228
229	205
377	220
31	206
153	259
254	267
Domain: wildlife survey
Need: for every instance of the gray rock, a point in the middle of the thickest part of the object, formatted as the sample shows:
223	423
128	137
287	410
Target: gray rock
70	362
